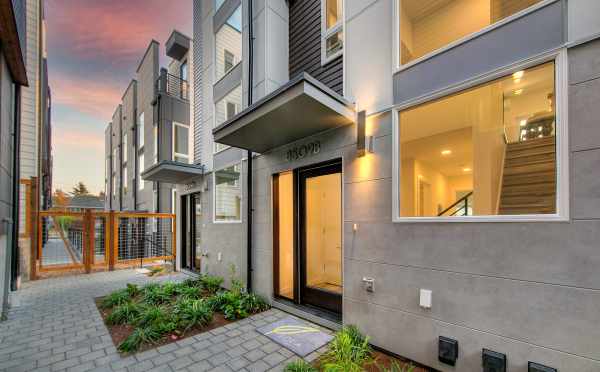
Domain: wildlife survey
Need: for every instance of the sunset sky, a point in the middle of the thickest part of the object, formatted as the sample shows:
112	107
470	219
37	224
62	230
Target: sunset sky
94	47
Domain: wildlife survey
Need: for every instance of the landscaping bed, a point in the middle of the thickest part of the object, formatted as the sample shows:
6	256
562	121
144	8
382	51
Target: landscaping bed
140	318
349	351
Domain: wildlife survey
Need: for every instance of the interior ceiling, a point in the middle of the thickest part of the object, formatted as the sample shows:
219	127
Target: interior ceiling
429	151
417	9
458	111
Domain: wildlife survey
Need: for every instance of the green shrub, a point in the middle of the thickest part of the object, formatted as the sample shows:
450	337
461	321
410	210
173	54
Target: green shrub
253	303
189	292
139	336
211	284
152	315
299	366
127	312
192	312
154	294
132	290
348	351
397	367
116	298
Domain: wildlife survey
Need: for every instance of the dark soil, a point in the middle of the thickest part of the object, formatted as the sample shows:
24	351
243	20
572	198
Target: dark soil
120	332
382	362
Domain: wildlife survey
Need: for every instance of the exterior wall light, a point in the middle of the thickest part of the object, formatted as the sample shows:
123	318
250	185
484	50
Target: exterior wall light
364	143
493	361
535	367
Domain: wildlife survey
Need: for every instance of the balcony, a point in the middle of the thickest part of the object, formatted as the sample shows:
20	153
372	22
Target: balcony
173	86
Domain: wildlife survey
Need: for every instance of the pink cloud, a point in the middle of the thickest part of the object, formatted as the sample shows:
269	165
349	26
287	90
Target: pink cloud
73	141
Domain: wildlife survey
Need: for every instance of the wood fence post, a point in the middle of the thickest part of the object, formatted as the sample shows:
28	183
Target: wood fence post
113	241
89	240
35	238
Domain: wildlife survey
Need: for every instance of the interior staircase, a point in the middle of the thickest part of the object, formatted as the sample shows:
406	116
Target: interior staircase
529	179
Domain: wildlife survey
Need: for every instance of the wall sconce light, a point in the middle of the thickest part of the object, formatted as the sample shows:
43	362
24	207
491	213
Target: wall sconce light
447	350
361	129
493	361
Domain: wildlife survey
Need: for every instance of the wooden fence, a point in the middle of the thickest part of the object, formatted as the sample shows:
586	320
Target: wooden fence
92	240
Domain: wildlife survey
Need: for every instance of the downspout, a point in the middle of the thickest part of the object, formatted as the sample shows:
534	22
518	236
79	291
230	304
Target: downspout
249	155
16	190
137	179
159	89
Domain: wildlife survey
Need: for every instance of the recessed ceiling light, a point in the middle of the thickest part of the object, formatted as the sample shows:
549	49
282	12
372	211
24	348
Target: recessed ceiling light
466	169
523	122
518	74
518	92
446	152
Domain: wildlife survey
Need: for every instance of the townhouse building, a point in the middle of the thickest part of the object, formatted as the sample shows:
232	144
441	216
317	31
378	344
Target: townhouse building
425	170
13	76
151	124
35	150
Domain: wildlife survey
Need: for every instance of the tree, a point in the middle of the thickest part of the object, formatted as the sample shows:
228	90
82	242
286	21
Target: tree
101	195
60	199
80	189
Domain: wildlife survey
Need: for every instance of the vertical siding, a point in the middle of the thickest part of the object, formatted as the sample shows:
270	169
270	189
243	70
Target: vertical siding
305	45
197	82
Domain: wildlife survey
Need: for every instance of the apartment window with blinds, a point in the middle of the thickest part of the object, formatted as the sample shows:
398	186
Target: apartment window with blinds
140	131
141	167
425	29
227	108
227	194
180	143
228	44
332	38
490	150
155	133
125	180
124	148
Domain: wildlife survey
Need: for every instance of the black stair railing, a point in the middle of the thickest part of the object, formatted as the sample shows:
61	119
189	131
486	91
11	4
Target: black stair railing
459	207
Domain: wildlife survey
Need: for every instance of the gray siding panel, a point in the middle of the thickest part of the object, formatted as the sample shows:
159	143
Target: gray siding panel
539	31
305	45
197	84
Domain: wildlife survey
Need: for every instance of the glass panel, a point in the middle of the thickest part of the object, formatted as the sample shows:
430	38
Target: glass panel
124	149
489	150
229	38
218	4
125	180
324	232
425	28
141	131
334	44
227	108
228	194
141	182
333	12
286	235
181	139
198	228
183	71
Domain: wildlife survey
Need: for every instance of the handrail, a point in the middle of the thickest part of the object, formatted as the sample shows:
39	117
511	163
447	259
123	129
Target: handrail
463	199
173	85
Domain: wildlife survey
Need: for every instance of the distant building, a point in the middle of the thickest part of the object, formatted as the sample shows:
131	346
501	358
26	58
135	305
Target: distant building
150	124
80	202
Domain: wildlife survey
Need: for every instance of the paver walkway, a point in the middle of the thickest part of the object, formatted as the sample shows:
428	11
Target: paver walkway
54	325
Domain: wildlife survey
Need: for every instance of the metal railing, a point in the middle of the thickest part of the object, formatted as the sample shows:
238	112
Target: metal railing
96	240
461	207
173	85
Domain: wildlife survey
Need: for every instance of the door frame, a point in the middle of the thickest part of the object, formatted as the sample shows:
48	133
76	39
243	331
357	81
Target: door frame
299	229
189	220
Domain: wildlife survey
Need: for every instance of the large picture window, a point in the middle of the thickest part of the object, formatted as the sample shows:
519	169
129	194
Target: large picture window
228	44
225	109
140	131
228	194
426	27
490	150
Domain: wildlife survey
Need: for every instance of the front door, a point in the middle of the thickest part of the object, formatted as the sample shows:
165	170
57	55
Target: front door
192	206
320	213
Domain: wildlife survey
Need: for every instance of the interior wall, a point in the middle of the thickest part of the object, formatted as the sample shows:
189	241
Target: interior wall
440	198
286	233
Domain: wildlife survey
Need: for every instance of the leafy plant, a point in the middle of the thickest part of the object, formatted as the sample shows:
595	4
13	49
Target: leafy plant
211	284
116	298
154	294
125	313
348	351
253	303
299	366
192	312
138	337
152	315
188	292
397	367
132	290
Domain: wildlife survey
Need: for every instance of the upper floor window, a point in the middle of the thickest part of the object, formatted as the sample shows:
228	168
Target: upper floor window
115	160
332	43
140	131
226	108
218	4
155	133
180	143
487	151
125	180
124	149
141	166
425	29
227	194
183	71
228	44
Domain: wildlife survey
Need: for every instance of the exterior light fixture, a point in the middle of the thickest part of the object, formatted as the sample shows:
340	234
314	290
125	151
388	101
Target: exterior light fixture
361	129
523	122
493	361
447	350
466	169
535	367
446	152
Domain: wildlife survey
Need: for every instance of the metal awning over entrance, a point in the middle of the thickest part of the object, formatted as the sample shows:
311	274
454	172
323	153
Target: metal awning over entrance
300	108
174	172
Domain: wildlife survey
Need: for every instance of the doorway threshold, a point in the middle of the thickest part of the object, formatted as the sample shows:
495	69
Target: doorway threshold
318	316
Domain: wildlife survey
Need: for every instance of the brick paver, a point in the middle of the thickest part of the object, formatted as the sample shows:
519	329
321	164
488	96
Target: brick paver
53	325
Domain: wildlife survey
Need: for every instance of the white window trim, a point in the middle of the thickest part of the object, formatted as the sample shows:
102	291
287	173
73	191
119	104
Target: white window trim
214	194
141	169
141	125
339	26
559	56
225	73
397	67
214	148
174	153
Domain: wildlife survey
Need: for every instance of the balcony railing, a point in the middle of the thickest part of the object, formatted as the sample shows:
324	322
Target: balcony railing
173	85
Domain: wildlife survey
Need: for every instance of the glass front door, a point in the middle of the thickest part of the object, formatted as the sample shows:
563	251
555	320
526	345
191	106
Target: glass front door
192	241
307	240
